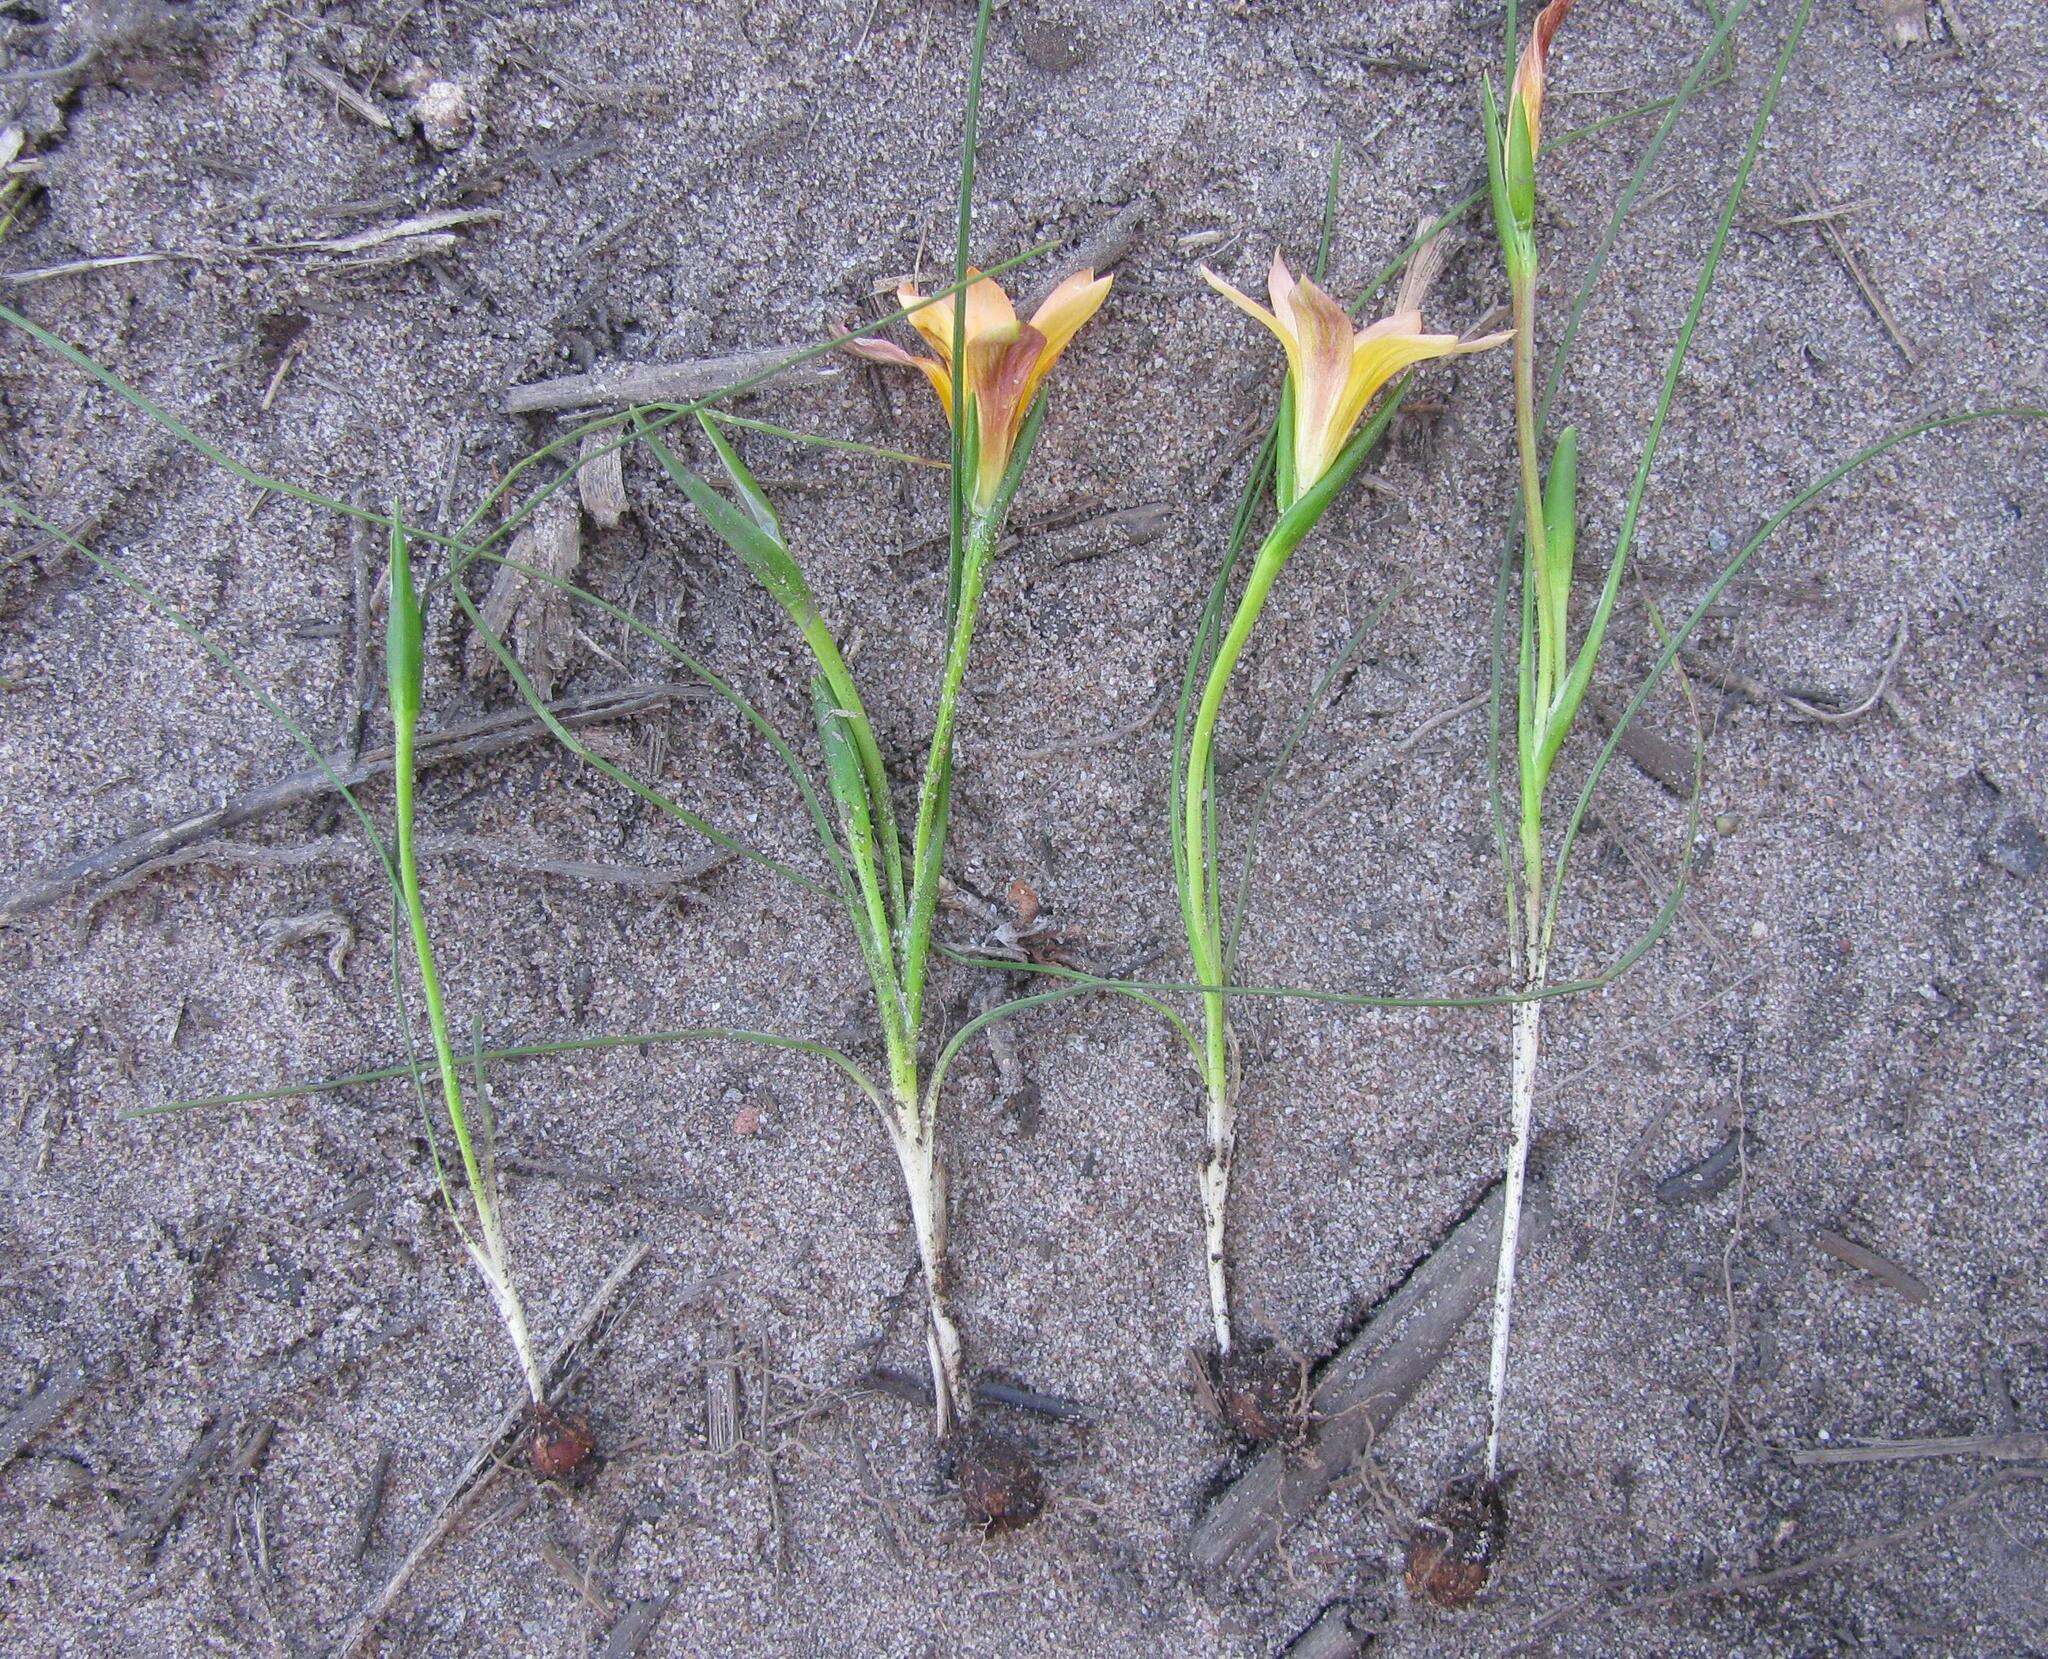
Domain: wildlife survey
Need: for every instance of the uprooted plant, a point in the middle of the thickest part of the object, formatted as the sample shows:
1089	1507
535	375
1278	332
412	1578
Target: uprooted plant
559	1443
1334	373
988	372
1550	683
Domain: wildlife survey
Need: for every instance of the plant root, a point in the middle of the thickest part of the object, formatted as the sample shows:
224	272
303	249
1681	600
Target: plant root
1457	1545
1000	1486
559	1444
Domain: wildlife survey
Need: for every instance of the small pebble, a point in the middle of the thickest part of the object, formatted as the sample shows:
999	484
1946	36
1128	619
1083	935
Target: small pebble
443	112
1726	823
2017	847
747	1121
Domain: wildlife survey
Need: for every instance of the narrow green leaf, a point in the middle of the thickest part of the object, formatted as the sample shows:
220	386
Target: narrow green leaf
1560	533
759	550
526	1051
743	485
816	440
1330	193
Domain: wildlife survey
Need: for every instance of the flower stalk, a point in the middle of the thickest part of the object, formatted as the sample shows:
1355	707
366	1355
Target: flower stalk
1550	682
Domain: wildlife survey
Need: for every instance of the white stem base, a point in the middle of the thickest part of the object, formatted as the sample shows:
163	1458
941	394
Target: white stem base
1215	1199
506	1299
943	1348
1528	1040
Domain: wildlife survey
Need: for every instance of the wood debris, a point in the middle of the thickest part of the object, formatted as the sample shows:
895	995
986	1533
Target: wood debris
342	93
1887	1273
471	740
722	1395
1357	1394
632	383
2019	1446
601	479
527	606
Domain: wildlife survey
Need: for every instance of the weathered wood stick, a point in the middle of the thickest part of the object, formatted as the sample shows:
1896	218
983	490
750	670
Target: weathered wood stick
1373	1376
656	382
468	741
682	382
2021	1446
649	881
1102	248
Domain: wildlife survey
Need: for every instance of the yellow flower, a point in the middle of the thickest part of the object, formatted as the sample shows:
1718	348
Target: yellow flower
1336	370
1006	360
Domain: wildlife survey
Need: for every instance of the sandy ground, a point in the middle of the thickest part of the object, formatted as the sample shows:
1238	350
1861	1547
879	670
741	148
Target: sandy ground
1857	979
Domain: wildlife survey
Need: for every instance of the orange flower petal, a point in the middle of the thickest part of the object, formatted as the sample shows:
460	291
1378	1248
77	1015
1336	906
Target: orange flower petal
1284	333
930	319
1323	329
999	364
1375	362
1057	321
887	351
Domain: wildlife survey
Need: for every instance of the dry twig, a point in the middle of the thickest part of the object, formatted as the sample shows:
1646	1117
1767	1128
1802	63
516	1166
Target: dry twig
481	1472
1359	1391
472	740
2014	1447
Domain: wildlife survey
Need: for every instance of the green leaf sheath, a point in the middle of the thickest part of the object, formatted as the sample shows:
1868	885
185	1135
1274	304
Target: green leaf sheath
1560	540
1516	248
869	913
760	550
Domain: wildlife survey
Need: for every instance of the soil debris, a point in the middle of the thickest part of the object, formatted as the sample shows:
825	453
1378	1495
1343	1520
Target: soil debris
1256	1392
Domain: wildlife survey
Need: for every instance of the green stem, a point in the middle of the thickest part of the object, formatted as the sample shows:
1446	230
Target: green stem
423	949
1198	903
1199	912
935	796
